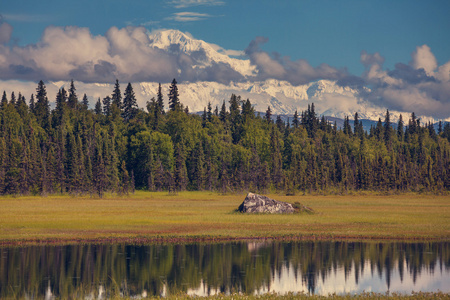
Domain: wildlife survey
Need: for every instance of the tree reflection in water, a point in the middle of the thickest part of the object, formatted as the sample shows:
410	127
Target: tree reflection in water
100	271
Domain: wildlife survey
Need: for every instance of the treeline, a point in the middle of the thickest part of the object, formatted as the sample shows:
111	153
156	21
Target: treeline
117	147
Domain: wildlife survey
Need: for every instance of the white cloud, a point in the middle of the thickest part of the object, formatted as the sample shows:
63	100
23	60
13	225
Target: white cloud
190	3
371	59
424	58
422	87
227	52
187	16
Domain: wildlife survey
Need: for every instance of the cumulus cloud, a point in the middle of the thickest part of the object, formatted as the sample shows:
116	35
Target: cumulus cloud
371	59
422	58
421	86
275	66
73	52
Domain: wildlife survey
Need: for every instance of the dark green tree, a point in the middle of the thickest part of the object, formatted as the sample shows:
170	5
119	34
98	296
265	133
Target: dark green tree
160	100
268	115
400	130
85	102
174	101
73	98
98	107
42	107
295	121
130	107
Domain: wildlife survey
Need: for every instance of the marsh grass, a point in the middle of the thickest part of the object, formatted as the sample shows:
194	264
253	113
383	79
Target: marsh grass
208	216
393	296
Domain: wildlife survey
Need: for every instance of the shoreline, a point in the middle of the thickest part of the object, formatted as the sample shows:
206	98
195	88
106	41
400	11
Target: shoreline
212	240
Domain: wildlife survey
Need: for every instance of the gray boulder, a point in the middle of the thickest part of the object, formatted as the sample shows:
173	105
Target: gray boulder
254	203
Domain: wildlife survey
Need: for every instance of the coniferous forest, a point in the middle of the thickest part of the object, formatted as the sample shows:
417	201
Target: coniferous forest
117	147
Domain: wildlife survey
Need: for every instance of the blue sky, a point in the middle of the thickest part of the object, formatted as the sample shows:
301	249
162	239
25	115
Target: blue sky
321	31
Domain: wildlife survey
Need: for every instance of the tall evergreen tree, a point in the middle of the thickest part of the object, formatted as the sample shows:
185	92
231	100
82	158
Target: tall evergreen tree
129	104
174	101
73	98
85	102
13	99
247	110
160	100
107	106
4	100
223	113
209	112
400	125
268	116
32	104
117	95
42	107
358	127
98	107
295	121
387	128
59	112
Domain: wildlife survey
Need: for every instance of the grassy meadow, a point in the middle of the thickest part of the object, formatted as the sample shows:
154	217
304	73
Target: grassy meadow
146	216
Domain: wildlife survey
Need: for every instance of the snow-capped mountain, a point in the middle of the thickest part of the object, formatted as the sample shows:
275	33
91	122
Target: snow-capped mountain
283	98
201	52
329	98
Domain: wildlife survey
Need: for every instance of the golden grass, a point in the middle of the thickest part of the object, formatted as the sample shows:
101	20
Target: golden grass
394	296
147	216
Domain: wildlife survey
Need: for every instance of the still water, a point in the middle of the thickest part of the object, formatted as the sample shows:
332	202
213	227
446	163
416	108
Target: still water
99	271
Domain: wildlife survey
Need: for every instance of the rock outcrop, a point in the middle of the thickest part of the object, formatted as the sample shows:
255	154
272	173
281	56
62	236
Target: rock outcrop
254	203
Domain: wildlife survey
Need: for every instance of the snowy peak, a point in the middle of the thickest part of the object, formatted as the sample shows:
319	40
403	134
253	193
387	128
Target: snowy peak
166	38
204	54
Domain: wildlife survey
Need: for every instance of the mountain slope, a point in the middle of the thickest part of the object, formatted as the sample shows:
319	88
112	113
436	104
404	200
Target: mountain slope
201	52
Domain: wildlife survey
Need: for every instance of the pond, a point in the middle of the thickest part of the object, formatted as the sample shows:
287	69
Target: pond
99	271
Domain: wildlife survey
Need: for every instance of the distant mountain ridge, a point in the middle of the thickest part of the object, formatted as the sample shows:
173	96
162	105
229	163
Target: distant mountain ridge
330	99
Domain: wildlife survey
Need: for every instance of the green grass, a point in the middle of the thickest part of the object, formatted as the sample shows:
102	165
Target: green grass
147	216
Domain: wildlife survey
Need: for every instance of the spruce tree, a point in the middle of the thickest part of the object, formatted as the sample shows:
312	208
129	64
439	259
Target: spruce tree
174	101
85	102
247	110
13	99
98	107
42	107
73	99
209	112
32	104
223	113
107	106
117	95
295	121
4	100
130	107
59	112
387	128
268	116
400	125
160	100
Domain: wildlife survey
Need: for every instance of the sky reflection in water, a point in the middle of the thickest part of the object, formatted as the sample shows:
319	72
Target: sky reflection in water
204	269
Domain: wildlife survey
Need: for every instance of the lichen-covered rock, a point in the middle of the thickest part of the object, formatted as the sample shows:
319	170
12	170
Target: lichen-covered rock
254	203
